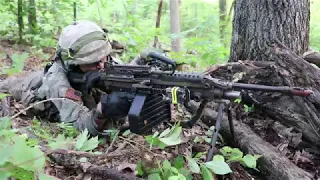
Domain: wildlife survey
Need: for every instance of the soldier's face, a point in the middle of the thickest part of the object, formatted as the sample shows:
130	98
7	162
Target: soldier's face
94	66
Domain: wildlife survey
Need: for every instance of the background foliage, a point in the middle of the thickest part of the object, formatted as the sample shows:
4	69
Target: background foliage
133	22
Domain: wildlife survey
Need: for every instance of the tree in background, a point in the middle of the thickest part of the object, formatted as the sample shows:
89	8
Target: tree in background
257	24
175	24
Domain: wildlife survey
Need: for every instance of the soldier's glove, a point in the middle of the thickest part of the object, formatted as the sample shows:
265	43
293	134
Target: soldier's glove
116	104
92	78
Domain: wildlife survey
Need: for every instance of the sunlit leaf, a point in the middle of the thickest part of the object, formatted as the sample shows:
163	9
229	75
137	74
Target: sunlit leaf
218	165
90	144
83	137
193	165
3	95
250	161
206	174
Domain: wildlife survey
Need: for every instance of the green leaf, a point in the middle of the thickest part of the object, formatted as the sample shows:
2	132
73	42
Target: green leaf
256	156
205	56
126	133
206	139
19	173
176	132
173	138
236	155
91	144
206	174
165	132
29	158
178	162
193	165
177	177
197	139
5	122
139	168
18	62
154	176
186	173
174	170
5	153
60	142
151	140
166	164
226	149
81	139
250	161
3	95
170	141
199	154
44	176
166	169
4	175
218	165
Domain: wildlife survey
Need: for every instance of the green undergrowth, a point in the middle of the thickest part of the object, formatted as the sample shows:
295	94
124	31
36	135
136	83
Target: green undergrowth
22	158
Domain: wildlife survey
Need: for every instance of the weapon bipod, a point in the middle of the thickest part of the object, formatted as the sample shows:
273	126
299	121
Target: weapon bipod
222	105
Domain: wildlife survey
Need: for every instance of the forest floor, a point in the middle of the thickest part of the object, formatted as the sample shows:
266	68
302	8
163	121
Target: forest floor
129	149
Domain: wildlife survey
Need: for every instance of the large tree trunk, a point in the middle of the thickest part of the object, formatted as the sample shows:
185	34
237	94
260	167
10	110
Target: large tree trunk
258	23
257	27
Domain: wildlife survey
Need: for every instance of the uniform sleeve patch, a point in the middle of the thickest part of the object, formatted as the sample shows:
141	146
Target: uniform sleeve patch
73	94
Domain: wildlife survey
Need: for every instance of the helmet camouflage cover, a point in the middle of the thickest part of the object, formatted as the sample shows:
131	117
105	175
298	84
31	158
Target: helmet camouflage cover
83	42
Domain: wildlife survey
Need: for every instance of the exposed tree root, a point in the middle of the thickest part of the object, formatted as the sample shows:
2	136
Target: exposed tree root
70	159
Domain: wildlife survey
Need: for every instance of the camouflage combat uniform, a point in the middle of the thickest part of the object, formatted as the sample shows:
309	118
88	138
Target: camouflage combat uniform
78	110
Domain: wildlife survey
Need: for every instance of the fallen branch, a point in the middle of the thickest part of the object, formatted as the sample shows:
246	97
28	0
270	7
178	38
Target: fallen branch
68	160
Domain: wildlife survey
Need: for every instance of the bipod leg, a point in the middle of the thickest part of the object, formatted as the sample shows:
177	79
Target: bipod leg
216	132
195	117
230	122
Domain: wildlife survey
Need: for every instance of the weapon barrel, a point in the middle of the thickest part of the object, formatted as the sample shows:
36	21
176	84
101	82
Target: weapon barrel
282	89
232	94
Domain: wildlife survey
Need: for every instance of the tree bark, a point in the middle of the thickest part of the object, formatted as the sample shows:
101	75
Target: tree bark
257	24
32	16
223	15
288	69
175	24
156	39
20	20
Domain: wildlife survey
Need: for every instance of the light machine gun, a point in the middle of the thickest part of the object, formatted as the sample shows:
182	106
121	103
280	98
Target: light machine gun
158	85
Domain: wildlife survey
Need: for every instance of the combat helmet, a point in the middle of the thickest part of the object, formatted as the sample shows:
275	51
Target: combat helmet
82	42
